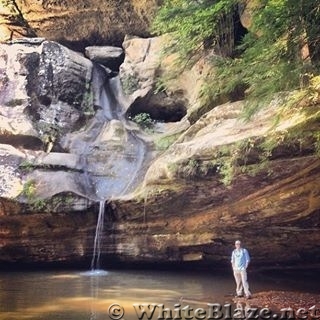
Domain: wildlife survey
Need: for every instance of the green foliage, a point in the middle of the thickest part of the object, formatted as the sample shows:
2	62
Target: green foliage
38	204
144	120
226	170
186	169
235	159
225	162
130	83
85	99
191	24
29	191
269	59
161	83
191	168
164	143
26	166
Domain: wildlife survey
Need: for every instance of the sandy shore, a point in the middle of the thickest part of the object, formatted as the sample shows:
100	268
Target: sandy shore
299	305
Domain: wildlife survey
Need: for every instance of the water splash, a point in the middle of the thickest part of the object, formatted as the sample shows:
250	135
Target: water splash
95	273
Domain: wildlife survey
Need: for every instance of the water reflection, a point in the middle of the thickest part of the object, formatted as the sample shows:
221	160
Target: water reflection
83	296
76	296
242	309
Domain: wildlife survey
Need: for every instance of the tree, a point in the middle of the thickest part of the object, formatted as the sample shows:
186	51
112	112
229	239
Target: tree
270	57
193	25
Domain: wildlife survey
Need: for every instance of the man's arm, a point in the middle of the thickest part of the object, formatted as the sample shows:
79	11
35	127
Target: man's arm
232	259
247	257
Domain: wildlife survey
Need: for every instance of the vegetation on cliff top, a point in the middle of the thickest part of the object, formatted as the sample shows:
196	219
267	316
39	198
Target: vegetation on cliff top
279	52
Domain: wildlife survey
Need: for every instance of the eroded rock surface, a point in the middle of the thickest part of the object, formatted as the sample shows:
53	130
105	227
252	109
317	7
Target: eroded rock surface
77	23
45	89
195	202
219	179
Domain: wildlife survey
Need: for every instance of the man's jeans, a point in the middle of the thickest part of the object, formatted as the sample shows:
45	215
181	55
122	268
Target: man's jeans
242	282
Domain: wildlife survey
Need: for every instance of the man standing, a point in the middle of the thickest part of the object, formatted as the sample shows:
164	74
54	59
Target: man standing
240	260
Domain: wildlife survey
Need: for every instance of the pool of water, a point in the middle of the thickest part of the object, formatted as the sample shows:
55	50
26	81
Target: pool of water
76	295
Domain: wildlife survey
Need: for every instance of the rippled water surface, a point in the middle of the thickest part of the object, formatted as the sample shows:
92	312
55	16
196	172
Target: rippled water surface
89	296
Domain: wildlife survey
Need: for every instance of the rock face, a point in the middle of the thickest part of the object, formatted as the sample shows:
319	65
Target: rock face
220	179
210	188
77	23
62	147
36	238
42	82
139	76
45	94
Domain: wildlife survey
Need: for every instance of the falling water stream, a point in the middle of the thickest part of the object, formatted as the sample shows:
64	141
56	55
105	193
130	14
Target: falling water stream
113	154
95	263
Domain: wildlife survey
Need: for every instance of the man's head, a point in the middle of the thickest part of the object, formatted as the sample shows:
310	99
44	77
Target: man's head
237	244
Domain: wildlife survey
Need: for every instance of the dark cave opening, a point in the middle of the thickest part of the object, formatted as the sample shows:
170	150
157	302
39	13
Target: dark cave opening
173	112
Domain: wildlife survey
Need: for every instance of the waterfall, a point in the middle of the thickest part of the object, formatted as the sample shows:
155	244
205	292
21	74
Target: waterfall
113	160
95	262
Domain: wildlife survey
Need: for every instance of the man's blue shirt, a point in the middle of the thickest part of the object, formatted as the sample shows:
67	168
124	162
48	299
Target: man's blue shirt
240	258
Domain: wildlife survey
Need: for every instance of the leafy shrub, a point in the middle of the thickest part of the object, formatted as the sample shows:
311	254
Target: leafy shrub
144	120
29	189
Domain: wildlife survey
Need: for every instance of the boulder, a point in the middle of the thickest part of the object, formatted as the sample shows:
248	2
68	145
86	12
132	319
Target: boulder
45	91
111	57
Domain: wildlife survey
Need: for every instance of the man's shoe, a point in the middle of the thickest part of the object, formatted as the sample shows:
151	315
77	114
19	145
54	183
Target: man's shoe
248	297
238	295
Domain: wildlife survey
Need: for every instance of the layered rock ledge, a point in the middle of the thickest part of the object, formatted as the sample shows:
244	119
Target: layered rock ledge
76	23
212	181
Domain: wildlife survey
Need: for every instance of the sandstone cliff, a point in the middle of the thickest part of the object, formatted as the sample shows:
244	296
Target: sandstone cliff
213	178
76	23
212	186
